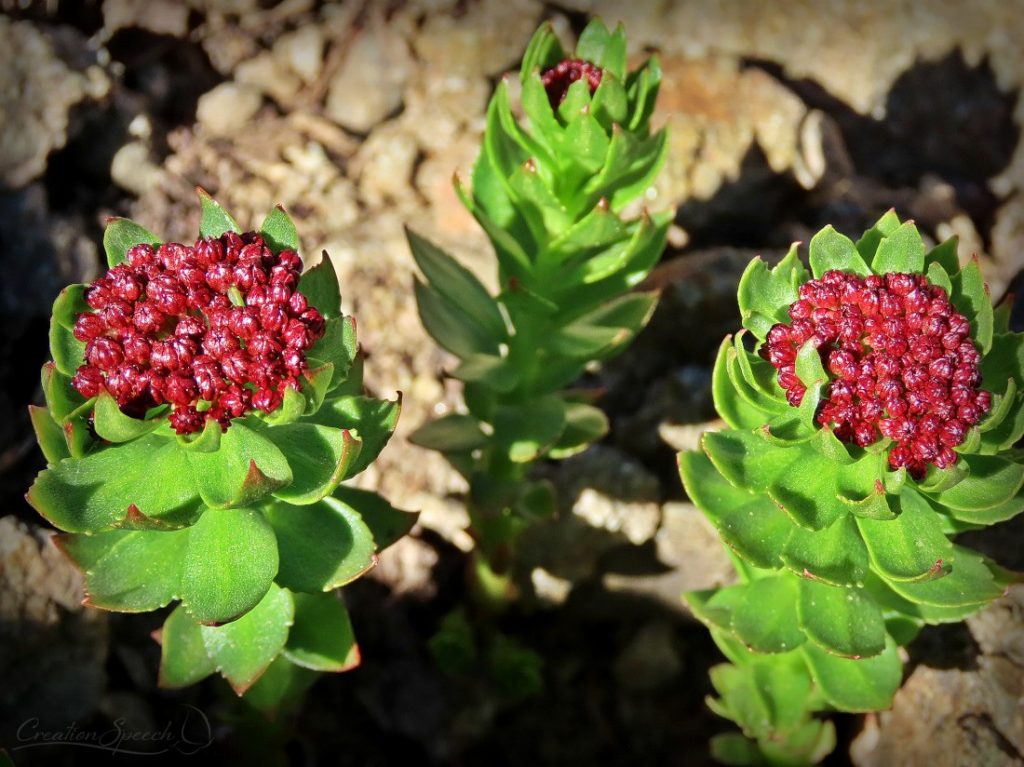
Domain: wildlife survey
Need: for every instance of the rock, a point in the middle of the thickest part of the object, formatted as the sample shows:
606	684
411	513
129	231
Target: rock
407	568
267	74
133	168
717	114
367	87
959	716
650	659
384	165
161	17
302	51
690	549
37	91
52	650
488	38
227	108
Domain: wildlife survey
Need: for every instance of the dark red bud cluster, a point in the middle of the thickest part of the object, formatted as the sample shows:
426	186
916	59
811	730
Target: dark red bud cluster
900	360
558	78
215	330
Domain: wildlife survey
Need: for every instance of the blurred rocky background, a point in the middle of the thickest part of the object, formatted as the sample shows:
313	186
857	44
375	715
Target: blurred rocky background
354	115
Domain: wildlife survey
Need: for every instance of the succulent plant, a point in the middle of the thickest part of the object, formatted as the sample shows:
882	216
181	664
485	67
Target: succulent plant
873	411
203	406
549	192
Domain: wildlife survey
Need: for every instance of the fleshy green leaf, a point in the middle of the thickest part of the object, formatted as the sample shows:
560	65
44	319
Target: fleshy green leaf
279	231
909	547
991	482
114	426
765	294
386	523
214	220
120	235
319	457
843	621
457	284
836	555
229	564
971	581
831	250
734	409
528	431
868	244
449	325
584	424
751	524
183	657
454	433
372	420
245	469
148	477
281	687
765	617
867	684
900	251
322	546
129	571
321	638
970	295
320	287
243	649
49	435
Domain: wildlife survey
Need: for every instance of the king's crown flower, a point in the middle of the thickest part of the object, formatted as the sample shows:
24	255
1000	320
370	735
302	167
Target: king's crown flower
204	406
872	410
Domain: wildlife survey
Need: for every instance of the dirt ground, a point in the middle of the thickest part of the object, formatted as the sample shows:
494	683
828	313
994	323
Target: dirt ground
783	117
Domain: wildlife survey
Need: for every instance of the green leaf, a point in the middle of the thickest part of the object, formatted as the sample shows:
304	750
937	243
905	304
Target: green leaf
835	555
372	420
605	331
386	523
991	482
281	687
62	399
544	50
320	287
909	547
868	244
584	424
939	276
114	426
971	581
245	469
457	284
148	477
765	295
68	352
243	649
537	501
183	657
229	564
49	435
594	39
321	638
322	546
808	366
279	232
451	433
900	251
319	457
497	373
765	617
120	235
735	410
733	749
750	524
450	326
861	685
971	297
128	571
214	220
339	347
945	255
843	621
207	441
830	250
528	431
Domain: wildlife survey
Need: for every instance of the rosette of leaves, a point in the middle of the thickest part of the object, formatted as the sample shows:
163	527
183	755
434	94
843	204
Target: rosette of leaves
245	523
549	191
844	546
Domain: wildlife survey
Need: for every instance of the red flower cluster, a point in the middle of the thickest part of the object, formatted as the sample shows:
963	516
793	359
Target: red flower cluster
558	78
220	323
901	360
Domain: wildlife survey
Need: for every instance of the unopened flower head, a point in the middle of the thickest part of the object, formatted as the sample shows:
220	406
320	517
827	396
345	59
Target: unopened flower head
215	330
558	78
901	361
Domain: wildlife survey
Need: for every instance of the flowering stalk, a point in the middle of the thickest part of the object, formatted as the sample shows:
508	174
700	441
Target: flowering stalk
873	411
203	405
549	193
